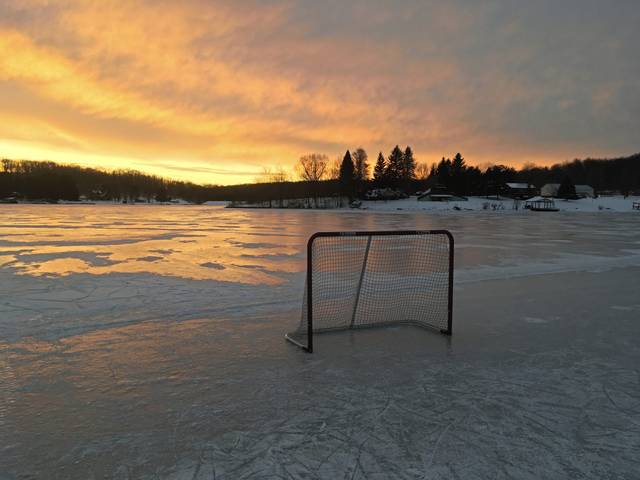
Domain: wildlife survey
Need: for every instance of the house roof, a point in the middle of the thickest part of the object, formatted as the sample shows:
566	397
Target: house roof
434	195
517	185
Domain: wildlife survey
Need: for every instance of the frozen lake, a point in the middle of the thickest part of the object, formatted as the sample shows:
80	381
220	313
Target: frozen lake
147	342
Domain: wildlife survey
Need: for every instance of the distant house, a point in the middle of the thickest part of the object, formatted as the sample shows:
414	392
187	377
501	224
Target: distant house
585	191
520	191
582	191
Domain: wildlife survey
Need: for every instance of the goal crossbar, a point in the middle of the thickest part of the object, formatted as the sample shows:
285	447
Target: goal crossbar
365	279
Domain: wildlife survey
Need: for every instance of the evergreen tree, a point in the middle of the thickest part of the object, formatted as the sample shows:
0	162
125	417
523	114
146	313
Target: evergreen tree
458	164
443	171
409	164
458	175
395	167
496	176
347	176
379	171
408	168
567	189
475	183
432	171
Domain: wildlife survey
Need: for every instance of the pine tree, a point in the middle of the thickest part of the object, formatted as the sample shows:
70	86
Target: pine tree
395	167
458	175
567	189
444	173
409	165
458	164
347	176
379	171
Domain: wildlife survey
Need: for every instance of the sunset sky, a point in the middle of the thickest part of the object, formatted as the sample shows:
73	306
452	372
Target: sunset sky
213	91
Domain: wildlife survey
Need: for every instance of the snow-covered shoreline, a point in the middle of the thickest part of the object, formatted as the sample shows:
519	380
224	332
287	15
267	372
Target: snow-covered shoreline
473	204
600	204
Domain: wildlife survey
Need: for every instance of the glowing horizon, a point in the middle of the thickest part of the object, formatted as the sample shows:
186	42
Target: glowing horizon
213	92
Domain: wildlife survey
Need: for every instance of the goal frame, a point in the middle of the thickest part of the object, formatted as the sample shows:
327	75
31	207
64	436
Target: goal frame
375	233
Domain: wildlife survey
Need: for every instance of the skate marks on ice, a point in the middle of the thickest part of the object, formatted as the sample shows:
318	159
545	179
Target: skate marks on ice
203	399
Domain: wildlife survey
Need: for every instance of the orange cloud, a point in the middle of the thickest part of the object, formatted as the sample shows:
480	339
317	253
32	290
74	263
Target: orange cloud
216	90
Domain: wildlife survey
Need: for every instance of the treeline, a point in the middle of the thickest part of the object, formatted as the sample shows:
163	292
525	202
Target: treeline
50	181
618	175
400	171
349	176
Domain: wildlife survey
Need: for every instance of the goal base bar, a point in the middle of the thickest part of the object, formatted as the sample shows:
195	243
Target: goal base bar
298	344
309	349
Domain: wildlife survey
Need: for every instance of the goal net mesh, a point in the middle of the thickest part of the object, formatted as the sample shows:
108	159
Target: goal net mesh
377	279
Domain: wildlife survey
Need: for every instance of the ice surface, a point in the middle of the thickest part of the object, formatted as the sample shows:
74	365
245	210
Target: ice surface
115	366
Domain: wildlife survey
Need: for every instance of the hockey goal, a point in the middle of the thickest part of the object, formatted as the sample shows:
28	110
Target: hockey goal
367	279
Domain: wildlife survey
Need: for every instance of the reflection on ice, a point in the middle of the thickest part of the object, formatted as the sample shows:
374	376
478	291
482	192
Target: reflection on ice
146	342
261	247
146	243
66	269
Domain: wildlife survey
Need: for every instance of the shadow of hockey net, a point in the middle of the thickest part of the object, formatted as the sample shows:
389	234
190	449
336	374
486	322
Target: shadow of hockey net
368	279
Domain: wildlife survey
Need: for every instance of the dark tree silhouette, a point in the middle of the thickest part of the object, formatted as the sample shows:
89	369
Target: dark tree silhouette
312	168
422	171
408	168
443	171
567	189
458	175
51	181
163	194
395	167
361	165
379	178
347	177
496	176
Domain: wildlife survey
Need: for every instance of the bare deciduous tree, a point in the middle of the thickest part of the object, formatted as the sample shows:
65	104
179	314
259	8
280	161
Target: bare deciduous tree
334	168
360	162
277	175
313	167
422	171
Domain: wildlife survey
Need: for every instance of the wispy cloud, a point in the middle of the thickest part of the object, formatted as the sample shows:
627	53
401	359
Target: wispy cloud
214	90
